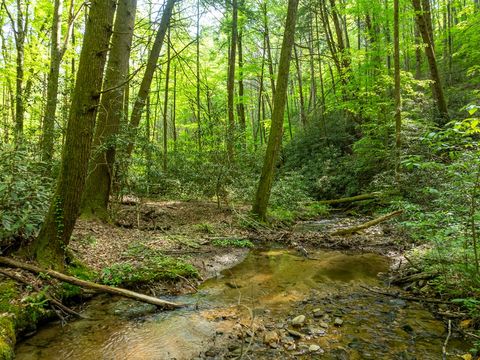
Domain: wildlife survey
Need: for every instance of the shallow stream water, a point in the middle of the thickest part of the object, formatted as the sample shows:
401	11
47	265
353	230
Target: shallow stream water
234	312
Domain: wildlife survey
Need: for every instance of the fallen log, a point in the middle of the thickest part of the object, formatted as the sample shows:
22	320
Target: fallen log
366	225
89	285
50	298
351	199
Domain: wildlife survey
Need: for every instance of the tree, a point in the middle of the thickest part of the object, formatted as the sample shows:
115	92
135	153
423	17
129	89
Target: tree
398	100
50	245
152	60
424	26
110	115
57	51
276	131
20	29
231	82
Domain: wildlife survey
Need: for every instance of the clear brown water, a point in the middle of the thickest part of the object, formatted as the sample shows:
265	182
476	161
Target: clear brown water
276	285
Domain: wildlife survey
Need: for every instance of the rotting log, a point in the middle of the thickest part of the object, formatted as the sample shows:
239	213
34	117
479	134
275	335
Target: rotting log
367	224
369	196
89	285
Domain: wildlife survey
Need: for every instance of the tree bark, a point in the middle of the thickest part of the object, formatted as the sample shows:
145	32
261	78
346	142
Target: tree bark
241	92
398	100
276	131
111	115
57	51
231	83
149	71
165	106
430	53
50	245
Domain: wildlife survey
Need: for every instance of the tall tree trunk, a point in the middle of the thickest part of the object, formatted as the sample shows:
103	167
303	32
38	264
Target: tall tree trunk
111	115
50	246
231	83
57	51
241	92
276	131
398	100
430	53
303	116
269	48
19	27
144	89
165	106
198	114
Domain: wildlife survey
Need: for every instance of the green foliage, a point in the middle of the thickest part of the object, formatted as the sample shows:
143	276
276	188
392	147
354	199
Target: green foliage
24	195
238	243
145	265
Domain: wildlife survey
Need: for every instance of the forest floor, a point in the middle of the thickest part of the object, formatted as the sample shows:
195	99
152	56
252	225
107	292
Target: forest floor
212	238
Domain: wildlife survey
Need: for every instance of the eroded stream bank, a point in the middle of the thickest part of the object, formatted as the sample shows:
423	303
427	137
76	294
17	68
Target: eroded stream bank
275	304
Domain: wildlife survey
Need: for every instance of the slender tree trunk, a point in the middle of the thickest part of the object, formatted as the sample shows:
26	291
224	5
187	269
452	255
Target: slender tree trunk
303	116
418	53
149	71
398	102
174	109
57	51
165	107
198	115
231	83
276	131
430	53
50	246
269	48
241	92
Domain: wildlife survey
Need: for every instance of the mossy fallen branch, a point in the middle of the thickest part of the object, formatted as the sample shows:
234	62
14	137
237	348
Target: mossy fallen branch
367	224
90	285
369	196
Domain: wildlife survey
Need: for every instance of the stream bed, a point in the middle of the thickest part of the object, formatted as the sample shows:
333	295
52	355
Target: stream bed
274	305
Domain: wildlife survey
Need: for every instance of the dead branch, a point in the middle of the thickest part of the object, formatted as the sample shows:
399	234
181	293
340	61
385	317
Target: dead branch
90	285
350	199
366	225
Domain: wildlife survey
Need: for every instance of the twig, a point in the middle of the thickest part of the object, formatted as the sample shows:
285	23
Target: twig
409	298
444	348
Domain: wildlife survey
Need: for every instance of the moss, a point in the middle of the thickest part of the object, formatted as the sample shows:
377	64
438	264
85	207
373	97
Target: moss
154	268
7	336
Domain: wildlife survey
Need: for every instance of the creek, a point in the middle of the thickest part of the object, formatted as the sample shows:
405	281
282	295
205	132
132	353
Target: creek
249	310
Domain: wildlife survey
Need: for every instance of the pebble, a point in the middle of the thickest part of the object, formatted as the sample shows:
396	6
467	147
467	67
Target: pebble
323	324
299	320
338	322
317	313
314	348
271	338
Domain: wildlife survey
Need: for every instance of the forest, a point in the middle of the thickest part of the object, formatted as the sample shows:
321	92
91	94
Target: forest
248	179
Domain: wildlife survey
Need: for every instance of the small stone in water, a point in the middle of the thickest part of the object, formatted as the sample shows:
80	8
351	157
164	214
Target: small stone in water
338	322
314	348
271	338
299	320
323	324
